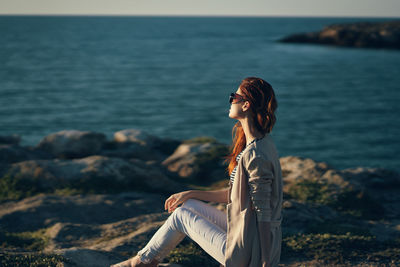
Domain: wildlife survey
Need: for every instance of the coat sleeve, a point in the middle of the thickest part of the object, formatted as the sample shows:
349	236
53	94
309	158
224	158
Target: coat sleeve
260	178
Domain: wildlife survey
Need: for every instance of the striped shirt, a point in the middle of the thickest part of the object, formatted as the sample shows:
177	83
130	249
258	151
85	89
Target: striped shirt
232	177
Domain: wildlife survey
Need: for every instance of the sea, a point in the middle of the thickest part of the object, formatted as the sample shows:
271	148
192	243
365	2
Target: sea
172	76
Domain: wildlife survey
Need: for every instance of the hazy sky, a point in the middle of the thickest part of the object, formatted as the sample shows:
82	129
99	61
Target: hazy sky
357	8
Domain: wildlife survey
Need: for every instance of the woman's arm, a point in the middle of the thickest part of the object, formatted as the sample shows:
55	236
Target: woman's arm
219	196
260	183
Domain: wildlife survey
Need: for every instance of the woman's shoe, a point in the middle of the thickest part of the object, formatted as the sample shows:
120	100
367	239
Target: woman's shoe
135	262
127	263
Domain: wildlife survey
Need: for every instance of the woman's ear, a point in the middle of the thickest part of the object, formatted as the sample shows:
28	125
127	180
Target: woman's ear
246	106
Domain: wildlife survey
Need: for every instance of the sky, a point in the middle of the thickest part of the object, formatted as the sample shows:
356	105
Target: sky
323	8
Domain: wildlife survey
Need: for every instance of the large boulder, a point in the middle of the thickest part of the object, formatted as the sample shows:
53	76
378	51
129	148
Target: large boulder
133	143
199	158
369	192
373	180
295	169
72	143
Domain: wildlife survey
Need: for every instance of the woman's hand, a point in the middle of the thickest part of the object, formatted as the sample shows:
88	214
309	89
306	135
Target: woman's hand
175	200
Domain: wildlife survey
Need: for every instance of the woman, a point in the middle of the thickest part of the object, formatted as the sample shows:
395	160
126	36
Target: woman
249	233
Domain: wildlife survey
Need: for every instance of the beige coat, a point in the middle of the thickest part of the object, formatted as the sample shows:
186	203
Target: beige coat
258	181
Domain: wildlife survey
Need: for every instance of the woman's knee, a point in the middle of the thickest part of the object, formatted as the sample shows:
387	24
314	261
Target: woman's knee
178	217
179	213
185	212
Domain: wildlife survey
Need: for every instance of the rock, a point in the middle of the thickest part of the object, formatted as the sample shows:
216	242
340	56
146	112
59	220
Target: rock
295	169
383	185
167	146
373	178
359	34
93	173
72	143
298	169
14	153
297	216
131	150
198	161
132	143
372	193
13	139
11	153
135	136
183	159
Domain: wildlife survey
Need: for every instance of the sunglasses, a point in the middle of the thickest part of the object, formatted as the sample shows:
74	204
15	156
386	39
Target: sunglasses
237	97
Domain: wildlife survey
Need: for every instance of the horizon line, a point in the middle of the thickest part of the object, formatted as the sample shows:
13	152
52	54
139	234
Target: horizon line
193	15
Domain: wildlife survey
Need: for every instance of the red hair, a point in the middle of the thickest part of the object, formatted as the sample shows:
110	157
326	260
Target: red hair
263	104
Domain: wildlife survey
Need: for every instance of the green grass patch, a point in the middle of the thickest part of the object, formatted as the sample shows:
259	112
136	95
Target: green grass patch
190	254
340	249
8	259
33	241
355	203
67	191
359	204
14	189
336	227
311	191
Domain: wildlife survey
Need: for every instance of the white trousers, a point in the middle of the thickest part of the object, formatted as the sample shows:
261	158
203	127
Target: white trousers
203	223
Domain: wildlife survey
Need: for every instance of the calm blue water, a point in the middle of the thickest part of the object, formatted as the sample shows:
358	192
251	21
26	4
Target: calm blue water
171	76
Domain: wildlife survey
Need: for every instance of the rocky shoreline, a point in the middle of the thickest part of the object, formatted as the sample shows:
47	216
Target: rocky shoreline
359	34
78	199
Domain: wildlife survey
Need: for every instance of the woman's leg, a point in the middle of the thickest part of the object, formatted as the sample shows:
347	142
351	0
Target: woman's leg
215	215
203	223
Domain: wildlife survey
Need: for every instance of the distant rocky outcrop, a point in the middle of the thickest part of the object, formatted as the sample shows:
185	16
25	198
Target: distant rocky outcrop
359	34
97	207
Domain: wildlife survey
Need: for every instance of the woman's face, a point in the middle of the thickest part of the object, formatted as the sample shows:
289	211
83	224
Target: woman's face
236	110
